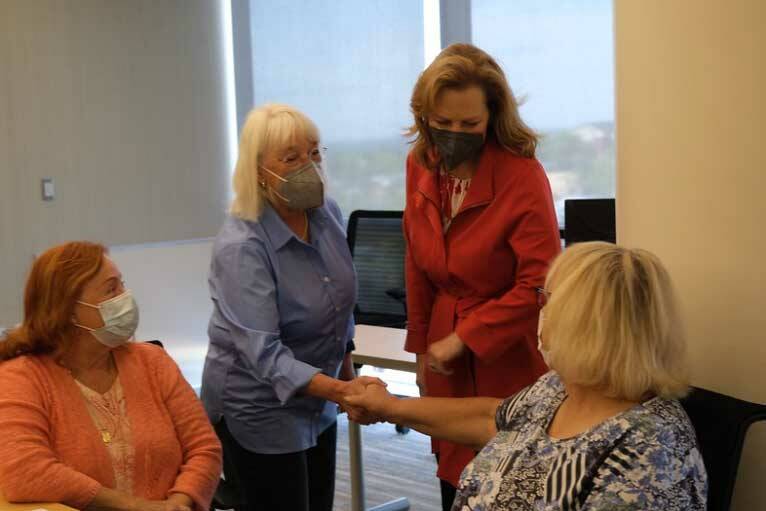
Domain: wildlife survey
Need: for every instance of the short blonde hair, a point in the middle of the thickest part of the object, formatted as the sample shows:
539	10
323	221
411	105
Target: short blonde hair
460	66
612	322
268	128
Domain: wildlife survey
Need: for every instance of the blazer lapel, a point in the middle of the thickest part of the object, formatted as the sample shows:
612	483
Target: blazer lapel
428	205
428	202
482	190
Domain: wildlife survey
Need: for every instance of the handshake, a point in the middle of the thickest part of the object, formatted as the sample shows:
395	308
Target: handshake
365	400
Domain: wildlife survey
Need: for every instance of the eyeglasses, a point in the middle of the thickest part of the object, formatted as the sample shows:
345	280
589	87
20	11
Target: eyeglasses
314	154
543	295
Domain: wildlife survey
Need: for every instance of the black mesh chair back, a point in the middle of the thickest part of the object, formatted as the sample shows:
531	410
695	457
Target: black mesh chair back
589	220
721	423
377	246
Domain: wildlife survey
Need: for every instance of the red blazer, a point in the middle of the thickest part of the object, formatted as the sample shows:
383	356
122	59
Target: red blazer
479	279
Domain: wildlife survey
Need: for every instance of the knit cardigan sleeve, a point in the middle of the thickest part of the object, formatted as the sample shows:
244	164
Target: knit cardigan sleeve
200	470
30	471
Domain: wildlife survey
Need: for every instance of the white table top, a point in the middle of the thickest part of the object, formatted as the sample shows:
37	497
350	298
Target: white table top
383	347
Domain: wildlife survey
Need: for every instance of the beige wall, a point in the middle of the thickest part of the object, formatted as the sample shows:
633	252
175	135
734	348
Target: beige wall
691	182
123	104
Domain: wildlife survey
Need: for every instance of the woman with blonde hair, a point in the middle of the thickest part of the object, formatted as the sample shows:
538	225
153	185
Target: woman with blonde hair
87	418
283	289
480	230
603	429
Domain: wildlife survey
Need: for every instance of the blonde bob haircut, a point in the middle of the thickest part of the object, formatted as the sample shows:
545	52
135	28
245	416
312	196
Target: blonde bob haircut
270	127
458	67
612	323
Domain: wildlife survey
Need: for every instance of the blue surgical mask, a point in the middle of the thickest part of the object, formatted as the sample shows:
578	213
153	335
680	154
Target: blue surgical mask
120	316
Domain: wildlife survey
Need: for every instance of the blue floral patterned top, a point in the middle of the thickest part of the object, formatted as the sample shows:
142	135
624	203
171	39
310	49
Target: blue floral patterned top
645	458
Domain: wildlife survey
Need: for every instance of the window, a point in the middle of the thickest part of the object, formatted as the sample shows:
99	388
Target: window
558	55
350	65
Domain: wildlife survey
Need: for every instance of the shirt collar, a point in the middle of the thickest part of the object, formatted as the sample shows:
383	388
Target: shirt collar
281	234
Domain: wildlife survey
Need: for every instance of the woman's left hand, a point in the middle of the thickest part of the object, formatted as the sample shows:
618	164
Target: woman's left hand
444	351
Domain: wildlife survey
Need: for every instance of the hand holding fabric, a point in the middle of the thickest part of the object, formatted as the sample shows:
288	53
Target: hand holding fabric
444	351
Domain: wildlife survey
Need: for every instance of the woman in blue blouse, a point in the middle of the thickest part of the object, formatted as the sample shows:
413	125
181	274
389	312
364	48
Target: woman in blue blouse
604	429
283	289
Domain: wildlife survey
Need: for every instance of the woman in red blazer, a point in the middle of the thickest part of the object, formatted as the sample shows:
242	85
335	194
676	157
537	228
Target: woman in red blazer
480	230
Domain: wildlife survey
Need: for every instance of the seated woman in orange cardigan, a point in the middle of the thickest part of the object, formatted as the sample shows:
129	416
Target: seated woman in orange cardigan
87	418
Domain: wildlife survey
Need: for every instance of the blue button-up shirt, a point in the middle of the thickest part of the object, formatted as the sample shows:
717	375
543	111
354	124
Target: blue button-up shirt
282	312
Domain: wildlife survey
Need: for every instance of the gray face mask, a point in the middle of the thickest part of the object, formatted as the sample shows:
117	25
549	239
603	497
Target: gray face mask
302	188
120	316
456	147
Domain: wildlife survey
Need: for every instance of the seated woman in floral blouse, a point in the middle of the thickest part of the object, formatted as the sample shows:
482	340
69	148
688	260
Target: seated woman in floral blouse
604	428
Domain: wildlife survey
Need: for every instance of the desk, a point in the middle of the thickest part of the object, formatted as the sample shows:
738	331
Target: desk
383	347
5	506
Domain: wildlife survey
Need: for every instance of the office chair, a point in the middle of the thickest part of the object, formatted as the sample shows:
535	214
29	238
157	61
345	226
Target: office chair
589	220
376	242
226	495
377	246
721	423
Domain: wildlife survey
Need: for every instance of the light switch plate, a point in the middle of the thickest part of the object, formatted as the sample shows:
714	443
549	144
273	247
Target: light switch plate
48	189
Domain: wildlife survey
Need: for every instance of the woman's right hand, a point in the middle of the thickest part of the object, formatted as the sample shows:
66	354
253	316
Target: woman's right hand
374	399
420	378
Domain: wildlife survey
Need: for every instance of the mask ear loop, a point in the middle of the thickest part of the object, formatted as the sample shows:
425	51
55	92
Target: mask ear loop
274	174
78	325
263	185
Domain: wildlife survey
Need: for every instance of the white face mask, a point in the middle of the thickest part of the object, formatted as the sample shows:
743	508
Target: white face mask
545	353
120	315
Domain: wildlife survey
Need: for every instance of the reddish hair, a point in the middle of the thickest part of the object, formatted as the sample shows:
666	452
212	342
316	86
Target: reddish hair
458	67
54	285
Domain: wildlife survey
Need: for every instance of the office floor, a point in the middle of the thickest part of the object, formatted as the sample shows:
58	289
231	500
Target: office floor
394	466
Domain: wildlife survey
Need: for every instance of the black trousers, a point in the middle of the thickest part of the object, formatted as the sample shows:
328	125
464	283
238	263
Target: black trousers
297	481
448	494
447	490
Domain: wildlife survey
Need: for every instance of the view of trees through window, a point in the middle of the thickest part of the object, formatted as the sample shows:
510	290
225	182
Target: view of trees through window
351	65
558	57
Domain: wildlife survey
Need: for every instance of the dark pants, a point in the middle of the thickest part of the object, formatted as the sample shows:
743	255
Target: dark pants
447	490
297	481
448	494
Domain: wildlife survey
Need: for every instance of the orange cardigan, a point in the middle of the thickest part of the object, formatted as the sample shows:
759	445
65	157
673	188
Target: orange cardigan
50	451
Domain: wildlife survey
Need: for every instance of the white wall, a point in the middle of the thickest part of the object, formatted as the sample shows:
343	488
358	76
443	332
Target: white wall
691	76
169	282
123	104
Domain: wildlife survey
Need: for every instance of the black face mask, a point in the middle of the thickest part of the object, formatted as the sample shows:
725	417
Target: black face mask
456	147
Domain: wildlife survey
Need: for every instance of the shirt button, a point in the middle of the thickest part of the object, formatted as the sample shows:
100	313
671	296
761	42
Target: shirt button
326	279
337	309
337	338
